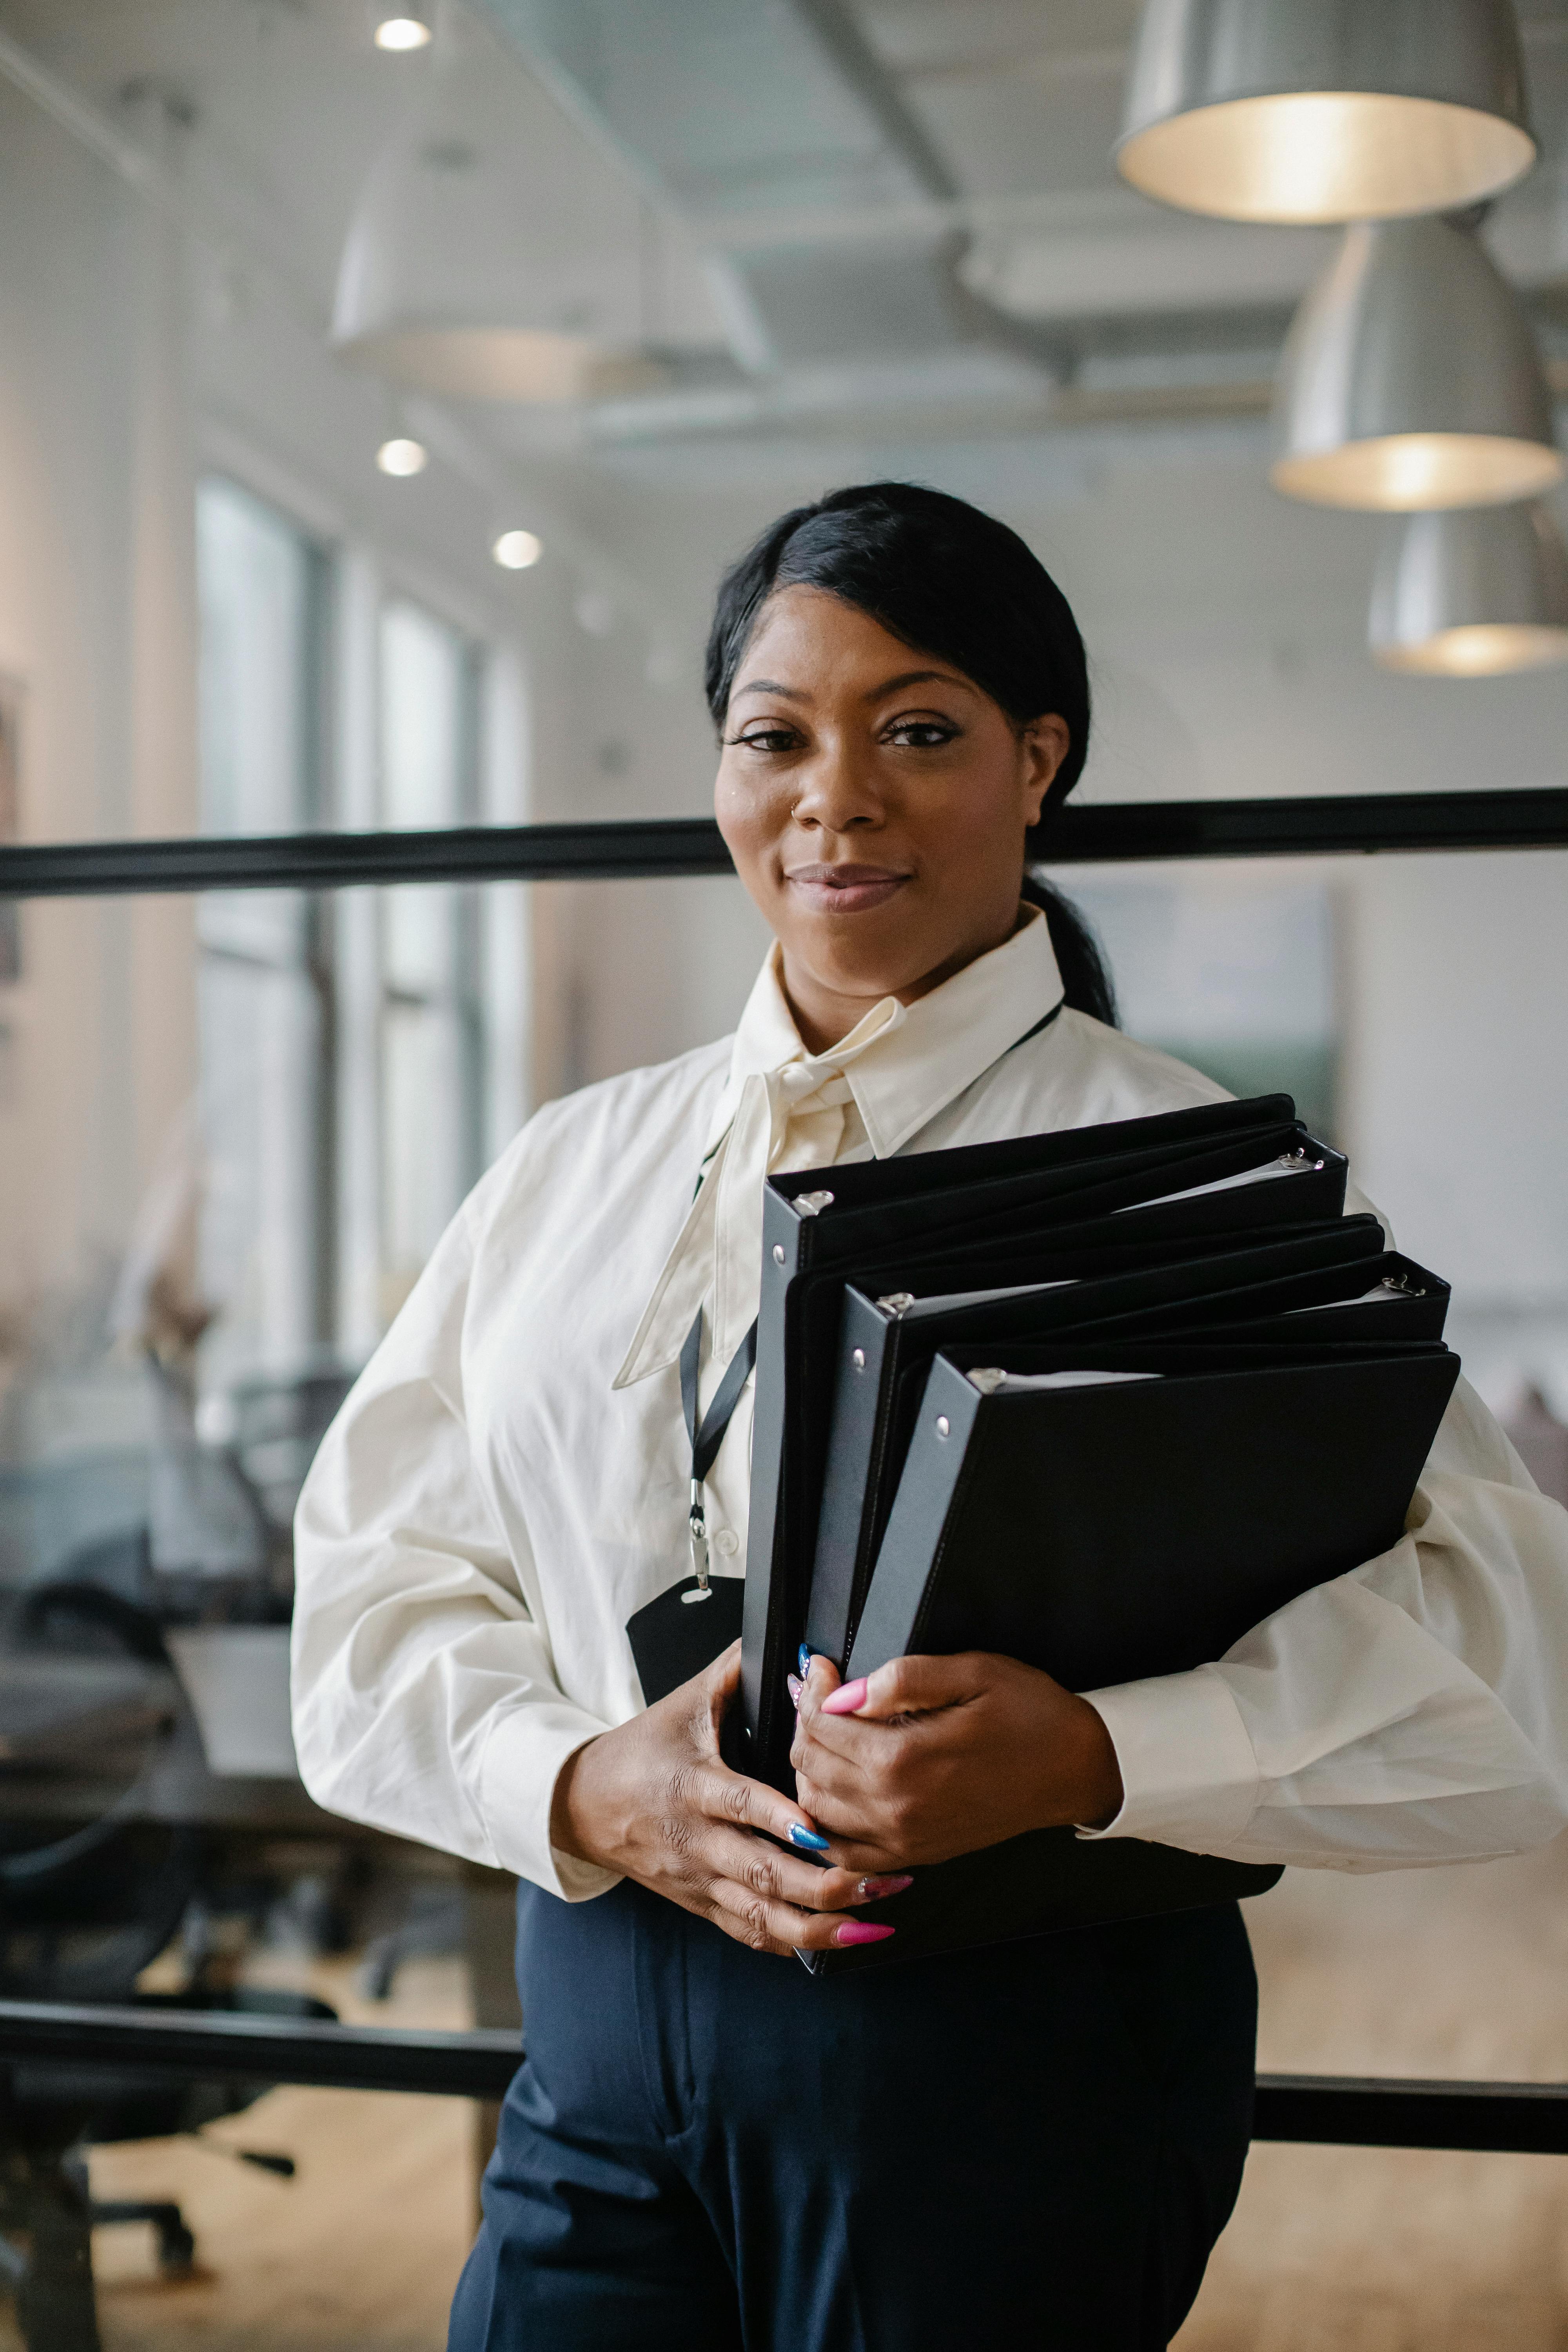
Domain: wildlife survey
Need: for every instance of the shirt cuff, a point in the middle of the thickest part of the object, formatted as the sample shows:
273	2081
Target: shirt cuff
523	1758
1189	1774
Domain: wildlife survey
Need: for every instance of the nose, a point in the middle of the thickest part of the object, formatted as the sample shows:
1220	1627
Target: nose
837	790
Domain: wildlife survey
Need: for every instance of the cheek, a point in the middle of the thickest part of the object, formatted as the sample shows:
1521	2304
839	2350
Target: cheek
751	818
968	830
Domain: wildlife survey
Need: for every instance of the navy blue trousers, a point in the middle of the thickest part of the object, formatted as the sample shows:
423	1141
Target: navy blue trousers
707	2151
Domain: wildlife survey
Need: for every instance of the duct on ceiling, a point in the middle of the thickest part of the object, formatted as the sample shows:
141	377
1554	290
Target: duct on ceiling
741	118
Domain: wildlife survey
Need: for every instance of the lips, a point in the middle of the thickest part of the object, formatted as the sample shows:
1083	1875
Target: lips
845	889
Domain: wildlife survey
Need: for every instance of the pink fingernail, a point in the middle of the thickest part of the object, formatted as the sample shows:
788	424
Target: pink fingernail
847	1699
861	1931
872	1890
793	1684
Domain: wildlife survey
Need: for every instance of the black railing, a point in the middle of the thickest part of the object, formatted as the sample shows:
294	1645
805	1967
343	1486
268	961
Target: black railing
1529	2118
666	847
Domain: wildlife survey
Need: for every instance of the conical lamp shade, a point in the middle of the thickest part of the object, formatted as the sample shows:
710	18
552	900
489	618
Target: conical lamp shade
1472	595
468	270
1325	109
1411	379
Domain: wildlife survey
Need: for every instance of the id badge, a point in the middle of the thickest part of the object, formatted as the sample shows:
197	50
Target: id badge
678	1634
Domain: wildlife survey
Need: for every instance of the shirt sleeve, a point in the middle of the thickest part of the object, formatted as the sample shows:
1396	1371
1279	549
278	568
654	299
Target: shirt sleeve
423	1693
1414	1711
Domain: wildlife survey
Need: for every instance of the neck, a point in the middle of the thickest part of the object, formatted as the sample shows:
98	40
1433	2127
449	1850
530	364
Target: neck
825	1015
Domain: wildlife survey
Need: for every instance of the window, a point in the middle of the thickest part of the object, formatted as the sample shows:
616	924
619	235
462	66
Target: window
431	1020
1234	971
259	1159
264	1003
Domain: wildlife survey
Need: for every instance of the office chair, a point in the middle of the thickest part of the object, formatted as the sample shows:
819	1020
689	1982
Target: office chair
84	1908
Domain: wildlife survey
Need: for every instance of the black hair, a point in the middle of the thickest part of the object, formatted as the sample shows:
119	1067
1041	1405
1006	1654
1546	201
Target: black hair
947	579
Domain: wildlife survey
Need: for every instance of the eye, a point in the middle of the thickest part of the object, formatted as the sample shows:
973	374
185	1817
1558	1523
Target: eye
767	738
920	734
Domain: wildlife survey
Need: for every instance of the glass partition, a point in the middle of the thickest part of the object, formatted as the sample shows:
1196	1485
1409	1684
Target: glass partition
205	1232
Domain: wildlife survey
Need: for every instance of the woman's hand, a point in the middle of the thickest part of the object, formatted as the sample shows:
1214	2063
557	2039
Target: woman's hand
653	1800
929	1758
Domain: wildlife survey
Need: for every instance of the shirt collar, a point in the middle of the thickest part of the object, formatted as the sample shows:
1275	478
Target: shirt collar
908	1062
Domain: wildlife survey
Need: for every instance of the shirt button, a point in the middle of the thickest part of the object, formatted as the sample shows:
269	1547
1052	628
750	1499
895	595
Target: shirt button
728	1542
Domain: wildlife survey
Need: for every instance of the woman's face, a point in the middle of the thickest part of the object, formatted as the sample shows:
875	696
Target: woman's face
875	801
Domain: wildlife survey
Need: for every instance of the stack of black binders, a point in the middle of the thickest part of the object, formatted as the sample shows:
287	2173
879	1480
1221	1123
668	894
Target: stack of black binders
1098	1400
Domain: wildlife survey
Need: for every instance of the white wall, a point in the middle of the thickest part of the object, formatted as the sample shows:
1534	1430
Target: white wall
97	622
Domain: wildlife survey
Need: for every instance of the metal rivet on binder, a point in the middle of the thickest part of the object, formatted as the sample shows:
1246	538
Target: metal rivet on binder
987	1379
778	1252
897	1302
811	1204
859	1359
941	1425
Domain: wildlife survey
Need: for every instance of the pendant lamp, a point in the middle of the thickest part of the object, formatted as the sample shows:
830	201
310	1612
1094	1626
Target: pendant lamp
1472	595
1411	379
1325	109
469	268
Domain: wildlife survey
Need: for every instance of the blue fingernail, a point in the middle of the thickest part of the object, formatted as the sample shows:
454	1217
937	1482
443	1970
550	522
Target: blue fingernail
804	1661
807	1838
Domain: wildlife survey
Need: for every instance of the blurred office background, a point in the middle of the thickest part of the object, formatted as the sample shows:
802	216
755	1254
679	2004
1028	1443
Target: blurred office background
381	396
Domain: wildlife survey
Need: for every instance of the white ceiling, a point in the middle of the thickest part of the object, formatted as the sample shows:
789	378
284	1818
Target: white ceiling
271	112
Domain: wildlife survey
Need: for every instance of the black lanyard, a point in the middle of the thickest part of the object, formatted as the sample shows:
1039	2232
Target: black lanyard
708	1437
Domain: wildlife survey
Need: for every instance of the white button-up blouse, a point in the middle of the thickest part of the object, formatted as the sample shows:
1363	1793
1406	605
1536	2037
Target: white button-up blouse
507	1481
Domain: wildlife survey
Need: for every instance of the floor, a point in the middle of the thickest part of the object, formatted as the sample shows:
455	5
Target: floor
1453	1972
359	2253
1460	1972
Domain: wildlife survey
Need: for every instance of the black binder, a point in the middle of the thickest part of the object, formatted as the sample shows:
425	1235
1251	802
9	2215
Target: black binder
993	1206
1401	1301
883	1342
1135	1527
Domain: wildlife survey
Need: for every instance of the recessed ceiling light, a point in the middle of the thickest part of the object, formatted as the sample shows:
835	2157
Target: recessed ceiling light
515	550
407	27
402	457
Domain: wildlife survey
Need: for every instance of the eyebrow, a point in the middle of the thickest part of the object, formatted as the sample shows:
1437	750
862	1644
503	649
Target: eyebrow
915	677
875	694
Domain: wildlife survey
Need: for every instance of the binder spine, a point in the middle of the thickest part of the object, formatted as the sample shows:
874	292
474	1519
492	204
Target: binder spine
785	1254
928	1492
859	1416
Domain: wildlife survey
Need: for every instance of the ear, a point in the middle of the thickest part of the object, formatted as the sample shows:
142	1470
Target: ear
1043	745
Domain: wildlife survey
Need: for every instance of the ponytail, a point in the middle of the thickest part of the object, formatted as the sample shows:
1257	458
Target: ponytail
1087	983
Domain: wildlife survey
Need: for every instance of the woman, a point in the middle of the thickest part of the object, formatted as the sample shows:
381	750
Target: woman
707	2148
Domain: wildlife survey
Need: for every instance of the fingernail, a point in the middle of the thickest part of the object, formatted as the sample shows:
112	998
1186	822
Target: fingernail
808	1839
847	1699
861	1931
802	1659
793	1684
871	1890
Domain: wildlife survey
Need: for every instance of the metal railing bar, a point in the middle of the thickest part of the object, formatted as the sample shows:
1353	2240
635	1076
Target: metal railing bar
1344	2111
652	848
1331	825
221	2045
200	2045
332	861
